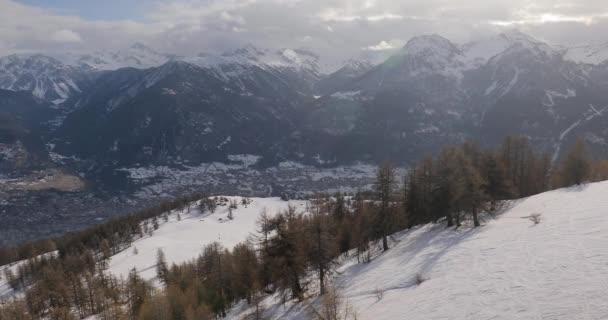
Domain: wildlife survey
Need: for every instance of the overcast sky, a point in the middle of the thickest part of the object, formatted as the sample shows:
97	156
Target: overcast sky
341	27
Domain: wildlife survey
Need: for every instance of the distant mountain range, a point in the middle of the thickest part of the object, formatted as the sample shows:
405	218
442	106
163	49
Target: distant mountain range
87	136
140	107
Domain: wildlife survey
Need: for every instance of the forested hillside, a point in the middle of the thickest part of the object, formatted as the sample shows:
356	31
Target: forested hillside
292	254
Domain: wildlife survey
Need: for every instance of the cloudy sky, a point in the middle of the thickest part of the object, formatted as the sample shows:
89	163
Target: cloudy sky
340	26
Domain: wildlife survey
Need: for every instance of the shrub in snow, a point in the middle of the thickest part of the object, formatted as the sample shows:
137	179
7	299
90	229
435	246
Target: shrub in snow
535	217
334	307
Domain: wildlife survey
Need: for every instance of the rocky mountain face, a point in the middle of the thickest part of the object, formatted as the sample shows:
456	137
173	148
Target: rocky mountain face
23	128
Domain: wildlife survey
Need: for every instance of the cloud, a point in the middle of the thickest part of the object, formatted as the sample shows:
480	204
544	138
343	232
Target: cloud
66	35
336	28
384	45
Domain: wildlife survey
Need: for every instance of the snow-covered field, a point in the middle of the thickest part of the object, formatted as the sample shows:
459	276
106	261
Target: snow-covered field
183	240
509	268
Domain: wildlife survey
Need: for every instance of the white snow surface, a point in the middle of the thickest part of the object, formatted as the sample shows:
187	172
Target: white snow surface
507	269
182	241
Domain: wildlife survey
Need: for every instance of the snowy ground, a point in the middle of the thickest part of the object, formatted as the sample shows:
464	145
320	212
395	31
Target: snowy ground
183	240
507	269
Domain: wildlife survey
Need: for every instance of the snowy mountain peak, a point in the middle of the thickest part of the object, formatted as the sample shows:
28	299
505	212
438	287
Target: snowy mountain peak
44	76
136	56
297	59
480	51
516	36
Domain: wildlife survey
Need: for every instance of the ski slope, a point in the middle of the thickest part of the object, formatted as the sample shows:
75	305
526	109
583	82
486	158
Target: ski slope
184	240
509	268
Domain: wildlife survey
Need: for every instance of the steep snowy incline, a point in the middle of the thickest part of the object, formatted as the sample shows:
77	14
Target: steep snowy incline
184	240
509	268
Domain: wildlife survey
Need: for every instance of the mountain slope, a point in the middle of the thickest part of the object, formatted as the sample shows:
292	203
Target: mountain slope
23	123
434	92
507	269
179	111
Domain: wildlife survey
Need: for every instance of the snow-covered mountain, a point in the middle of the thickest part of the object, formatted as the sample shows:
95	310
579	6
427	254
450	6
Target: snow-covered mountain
44	76
136	56
434	91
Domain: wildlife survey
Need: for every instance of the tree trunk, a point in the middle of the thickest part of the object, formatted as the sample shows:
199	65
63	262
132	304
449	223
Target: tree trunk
296	288
475	218
384	243
450	219
321	279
